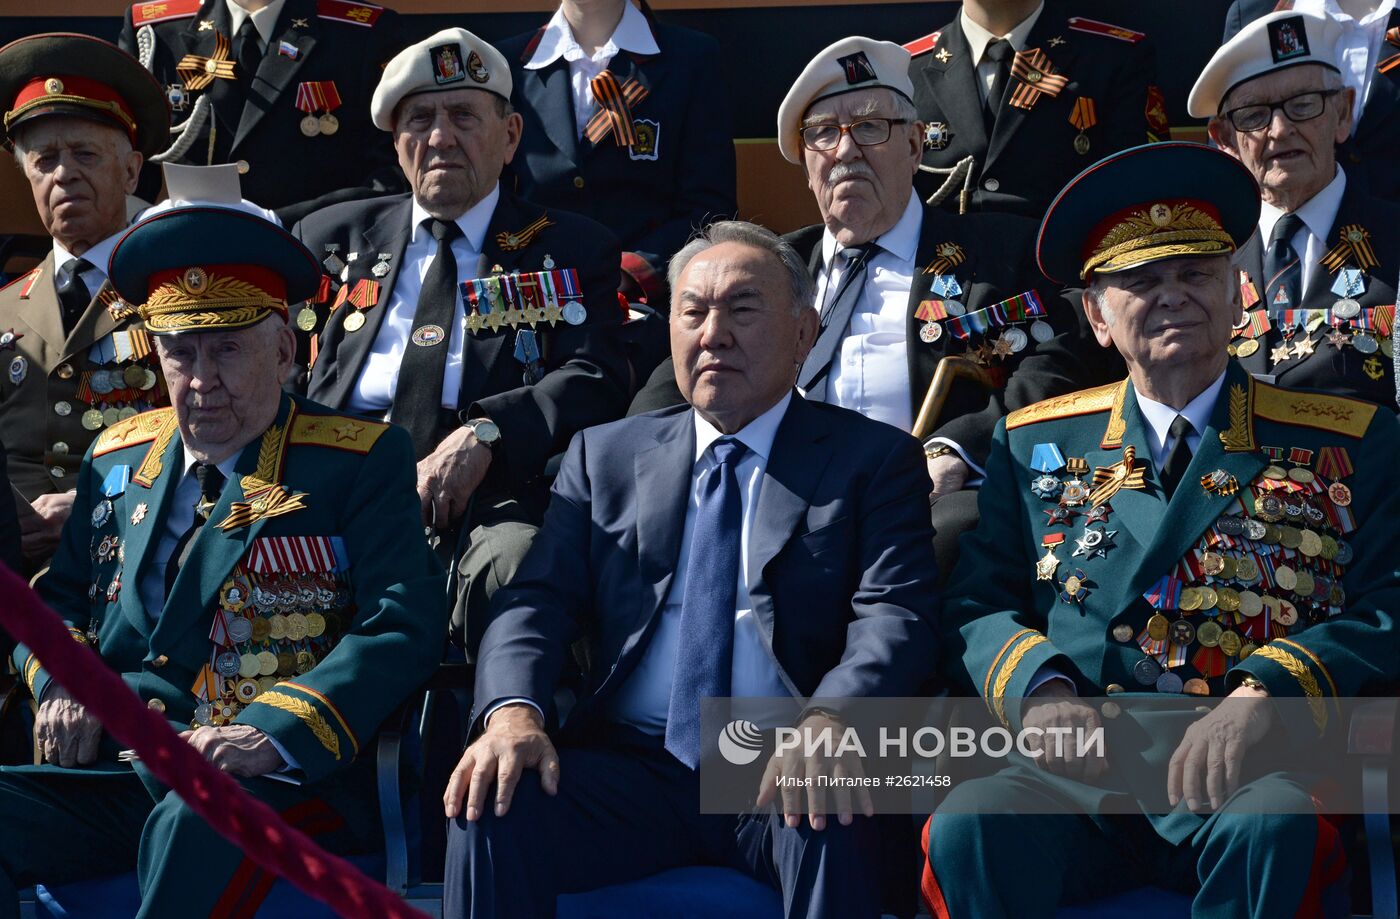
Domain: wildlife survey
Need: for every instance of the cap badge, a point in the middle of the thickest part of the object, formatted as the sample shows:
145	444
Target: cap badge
477	69
1288	38
447	63
195	279
857	67
1160	214
53	86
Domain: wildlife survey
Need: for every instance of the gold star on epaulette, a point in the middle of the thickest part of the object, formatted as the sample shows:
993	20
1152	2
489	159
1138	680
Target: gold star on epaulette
348	430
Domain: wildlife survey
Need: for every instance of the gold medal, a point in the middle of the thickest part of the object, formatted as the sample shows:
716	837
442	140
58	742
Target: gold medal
1231	642
1305	585
1228	599
355	321
329	124
267	663
277	627
306	319
1247	347
261	630
311	126
1251	604
1209	634
1190	599
248	665
296	627
1158	627
111	416
1311	544
1300	475
315	625
133	376
286	663
1209	597
1196	687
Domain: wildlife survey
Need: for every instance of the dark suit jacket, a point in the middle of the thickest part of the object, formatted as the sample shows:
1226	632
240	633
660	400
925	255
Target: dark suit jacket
1369	155
586	378
998	265
9	522
653	202
287	171
841	559
1341	372
1030	155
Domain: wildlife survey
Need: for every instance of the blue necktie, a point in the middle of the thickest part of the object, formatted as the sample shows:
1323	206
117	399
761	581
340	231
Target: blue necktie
705	654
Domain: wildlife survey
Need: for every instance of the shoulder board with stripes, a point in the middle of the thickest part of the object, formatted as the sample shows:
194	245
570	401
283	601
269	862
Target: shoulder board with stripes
360	14
922	45
1085	402
1095	27
26	282
339	432
145	14
139	429
1334	414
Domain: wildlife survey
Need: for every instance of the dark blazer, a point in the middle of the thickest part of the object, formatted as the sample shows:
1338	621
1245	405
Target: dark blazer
1344	372
9	522
586	368
1030	154
1369	155
840	554
287	171
998	265
652	201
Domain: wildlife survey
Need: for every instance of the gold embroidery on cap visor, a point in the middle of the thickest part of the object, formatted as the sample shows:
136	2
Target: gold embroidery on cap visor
1156	232
210	302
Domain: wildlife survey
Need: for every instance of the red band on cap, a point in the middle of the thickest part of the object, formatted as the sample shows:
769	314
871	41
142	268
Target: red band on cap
1140	212
59	89
216	280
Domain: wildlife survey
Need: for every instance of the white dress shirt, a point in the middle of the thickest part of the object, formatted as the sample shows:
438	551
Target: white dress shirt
1159	418
979	38
379	376
98	256
870	371
1360	47
1318	214
633	33
644	699
264	20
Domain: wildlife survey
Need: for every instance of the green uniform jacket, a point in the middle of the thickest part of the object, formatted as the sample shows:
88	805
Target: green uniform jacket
1005	623
353	553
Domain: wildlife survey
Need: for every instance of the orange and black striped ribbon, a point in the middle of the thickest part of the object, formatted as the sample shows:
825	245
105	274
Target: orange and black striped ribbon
615	104
1354	242
511	242
198	72
1083	116
1035	77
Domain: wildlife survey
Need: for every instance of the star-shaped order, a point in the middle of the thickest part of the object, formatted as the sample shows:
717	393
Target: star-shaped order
1280	353
1045	567
1094	543
1002	347
1059	515
1338	339
1303	347
1098	514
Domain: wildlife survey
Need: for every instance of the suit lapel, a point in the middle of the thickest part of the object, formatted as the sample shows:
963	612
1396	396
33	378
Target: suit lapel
662	474
923	357
96	324
511	214
795	467
953	84
41	310
389	234
1250	259
223	94
142	538
631	63
550	95
1384	95
276	70
1011	118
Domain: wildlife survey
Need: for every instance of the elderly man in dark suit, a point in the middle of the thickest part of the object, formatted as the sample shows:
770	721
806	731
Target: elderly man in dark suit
485	325
749	543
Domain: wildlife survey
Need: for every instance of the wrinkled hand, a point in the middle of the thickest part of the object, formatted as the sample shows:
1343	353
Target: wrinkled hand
1206	765
67	734
238	749
948	473
1054	705
514	740
40	531
449	475
795	769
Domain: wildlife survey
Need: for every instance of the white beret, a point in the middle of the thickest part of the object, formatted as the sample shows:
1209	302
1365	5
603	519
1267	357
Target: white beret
451	59
850	64
1269	43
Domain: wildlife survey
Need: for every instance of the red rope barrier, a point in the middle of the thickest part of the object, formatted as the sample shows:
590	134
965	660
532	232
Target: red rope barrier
248	823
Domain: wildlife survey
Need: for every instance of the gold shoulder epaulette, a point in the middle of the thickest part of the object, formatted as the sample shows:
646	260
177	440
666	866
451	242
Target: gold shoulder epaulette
138	429
1338	414
339	432
1084	402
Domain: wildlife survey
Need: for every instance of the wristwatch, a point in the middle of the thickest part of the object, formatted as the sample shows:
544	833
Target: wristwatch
486	431
1253	682
937	450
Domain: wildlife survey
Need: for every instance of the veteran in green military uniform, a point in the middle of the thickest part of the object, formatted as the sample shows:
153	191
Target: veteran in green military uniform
254	566
1190	530
80	115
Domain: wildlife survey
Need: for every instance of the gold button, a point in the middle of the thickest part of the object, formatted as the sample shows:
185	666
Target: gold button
64	371
243	167
578	181
159	660
156	705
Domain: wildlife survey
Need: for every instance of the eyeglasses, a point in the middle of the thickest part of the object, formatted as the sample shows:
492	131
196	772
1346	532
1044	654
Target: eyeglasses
868	132
1302	107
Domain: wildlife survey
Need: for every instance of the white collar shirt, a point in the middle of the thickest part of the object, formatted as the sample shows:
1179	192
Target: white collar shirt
264	20
870	371
644	698
978	38
1159	418
633	33
177	521
1318	214
97	256
379	377
1360	47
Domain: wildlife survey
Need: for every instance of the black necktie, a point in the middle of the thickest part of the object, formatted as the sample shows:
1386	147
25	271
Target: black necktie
73	294
1180	456
1000	52
249	54
1282	269
211	485
837	310
418	395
